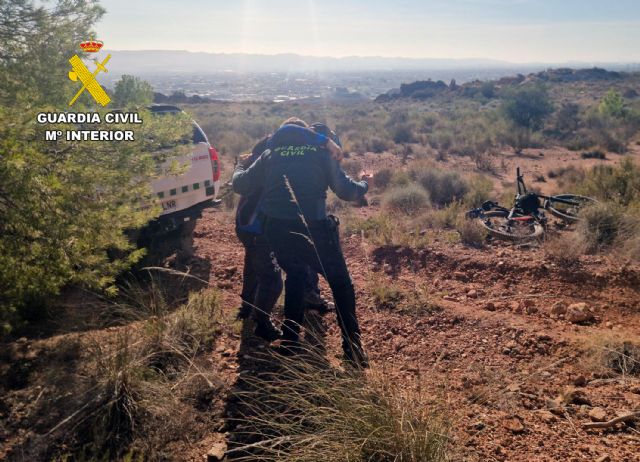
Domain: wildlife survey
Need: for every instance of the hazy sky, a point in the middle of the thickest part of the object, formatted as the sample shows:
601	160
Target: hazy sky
513	30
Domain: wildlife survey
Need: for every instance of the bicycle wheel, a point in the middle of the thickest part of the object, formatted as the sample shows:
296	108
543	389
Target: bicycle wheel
567	212
517	229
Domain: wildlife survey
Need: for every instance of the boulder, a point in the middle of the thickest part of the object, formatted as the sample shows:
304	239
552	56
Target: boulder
514	424
217	452
579	313
598	414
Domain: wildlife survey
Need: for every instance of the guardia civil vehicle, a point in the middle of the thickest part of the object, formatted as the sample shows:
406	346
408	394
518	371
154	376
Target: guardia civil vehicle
184	196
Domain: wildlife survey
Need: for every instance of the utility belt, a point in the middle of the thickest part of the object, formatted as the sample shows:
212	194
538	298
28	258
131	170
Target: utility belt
331	223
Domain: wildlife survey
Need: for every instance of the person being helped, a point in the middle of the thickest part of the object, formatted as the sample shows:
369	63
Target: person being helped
261	279
295	173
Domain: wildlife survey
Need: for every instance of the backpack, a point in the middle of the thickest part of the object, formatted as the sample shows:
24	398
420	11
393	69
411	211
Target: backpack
247	216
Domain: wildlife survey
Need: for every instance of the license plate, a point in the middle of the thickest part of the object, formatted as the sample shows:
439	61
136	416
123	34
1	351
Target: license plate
168	205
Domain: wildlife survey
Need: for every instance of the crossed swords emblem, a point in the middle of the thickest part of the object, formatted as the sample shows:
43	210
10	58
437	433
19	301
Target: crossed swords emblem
88	80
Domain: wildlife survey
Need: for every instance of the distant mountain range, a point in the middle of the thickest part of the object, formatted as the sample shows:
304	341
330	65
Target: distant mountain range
167	61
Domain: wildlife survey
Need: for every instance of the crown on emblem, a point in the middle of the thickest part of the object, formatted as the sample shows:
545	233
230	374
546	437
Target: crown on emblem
92	46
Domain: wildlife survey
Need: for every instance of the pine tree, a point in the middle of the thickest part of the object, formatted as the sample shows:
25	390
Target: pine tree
64	205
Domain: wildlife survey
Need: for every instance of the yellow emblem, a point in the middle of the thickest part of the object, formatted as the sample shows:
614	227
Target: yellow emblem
88	80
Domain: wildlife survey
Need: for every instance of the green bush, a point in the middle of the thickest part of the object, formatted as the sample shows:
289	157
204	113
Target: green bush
619	184
402	134
132	91
612	105
527	106
406	199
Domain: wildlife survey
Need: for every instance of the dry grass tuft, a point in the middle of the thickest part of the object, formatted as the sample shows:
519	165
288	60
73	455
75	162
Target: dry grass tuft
613	354
564	250
610	227
309	411
131	401
406	199
471	232
386	296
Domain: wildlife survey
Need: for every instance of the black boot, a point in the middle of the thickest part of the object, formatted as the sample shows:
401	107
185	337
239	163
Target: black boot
267	331
354	355
315	302
244	312
290	345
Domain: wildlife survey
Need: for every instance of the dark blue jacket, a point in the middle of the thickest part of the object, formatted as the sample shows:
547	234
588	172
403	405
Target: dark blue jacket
296	164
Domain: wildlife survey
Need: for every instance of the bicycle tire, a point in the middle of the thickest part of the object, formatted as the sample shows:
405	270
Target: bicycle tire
559	213
537	233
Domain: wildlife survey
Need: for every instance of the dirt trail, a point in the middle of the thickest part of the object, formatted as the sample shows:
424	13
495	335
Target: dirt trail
490	349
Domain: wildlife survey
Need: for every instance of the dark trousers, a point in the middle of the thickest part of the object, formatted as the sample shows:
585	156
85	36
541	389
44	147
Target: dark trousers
296	251
262	282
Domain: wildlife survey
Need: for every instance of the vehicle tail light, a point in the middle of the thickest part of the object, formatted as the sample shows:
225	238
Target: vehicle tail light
215	163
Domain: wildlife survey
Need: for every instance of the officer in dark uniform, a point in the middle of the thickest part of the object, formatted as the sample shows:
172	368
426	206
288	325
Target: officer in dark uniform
295	172
261	279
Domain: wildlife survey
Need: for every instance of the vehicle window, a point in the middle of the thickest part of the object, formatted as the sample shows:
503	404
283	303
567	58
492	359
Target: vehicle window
198	134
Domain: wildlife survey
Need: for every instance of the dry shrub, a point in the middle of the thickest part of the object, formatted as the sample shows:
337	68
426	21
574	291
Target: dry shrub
619	184
564	250
608	227
382	178
629	245
471	232
444	218
381	229
593	155
569	174
400	178
484	161
230	200
414	301
480	189
599	226
379	145
408	199
132	400
443	186
335	204
385	295
612	354
307	411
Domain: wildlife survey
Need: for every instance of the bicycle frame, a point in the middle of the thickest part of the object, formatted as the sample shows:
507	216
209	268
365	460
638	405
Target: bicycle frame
514	211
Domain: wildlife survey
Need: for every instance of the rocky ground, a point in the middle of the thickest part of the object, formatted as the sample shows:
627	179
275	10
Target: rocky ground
504	342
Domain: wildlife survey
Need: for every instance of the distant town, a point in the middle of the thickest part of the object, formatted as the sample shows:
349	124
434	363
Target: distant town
291	77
